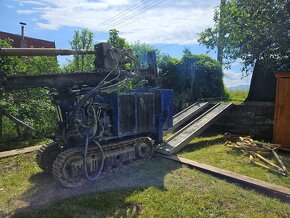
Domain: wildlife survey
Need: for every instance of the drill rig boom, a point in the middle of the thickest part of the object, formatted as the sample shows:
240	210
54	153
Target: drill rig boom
41	52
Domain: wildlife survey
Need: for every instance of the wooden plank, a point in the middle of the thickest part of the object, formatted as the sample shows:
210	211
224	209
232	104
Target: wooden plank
281	133
269	189
19	151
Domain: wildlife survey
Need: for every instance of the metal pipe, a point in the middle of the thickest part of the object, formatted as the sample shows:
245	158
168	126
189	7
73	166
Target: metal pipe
22	30
41	52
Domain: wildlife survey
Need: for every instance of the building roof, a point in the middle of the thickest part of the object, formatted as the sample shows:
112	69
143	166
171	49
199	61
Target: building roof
30	42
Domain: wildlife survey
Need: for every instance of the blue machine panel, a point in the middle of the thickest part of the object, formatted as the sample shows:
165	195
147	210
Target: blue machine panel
136	113
147	112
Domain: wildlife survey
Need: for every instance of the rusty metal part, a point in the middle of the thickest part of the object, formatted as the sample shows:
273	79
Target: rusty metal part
53	80
41	52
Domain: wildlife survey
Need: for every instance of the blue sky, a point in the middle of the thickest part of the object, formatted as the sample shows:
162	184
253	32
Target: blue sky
169	25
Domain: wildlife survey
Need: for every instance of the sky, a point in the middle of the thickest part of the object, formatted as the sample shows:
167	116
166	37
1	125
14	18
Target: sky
168	25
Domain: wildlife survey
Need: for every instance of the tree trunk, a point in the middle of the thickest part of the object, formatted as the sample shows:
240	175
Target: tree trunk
1	127
18	132
263	84
220	48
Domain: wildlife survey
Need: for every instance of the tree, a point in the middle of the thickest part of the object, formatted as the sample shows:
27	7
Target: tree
30	105
256	33
81	40
140	51
192	77
117	41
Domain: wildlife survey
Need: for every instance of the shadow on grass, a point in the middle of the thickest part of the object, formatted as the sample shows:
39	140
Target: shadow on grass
117	185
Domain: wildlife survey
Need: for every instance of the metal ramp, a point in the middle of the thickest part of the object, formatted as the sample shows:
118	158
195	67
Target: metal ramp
182	137
187	114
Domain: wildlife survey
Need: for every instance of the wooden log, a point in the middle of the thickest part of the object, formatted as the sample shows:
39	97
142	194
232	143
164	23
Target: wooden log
271	145
280	161
265	160
268	168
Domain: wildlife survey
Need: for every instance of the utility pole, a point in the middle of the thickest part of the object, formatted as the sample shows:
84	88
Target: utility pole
221	35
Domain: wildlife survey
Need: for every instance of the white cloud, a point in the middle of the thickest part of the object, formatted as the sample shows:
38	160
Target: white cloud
149	21
47	26
233	78
24	2
25	11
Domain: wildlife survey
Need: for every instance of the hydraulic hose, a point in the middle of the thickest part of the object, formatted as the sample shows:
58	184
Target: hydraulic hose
92	178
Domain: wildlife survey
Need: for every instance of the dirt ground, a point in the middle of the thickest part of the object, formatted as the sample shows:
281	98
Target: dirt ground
46	190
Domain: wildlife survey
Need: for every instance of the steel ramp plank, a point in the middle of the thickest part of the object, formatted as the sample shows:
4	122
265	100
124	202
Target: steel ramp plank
182	137
188	113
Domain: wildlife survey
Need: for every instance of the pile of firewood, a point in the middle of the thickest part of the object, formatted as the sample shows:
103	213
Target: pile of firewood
258	150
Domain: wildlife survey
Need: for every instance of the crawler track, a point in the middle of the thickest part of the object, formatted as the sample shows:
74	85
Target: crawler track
68	166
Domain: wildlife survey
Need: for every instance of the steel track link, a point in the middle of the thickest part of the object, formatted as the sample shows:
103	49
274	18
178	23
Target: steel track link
46	155
109	150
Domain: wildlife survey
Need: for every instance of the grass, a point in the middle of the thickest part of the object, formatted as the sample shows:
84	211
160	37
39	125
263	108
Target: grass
15	174
157	188
237	95
211	150
186	193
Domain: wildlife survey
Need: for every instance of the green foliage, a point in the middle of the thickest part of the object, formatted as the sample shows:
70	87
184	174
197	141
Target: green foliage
140	51
251	31
117	41
192	77
81	41
31	105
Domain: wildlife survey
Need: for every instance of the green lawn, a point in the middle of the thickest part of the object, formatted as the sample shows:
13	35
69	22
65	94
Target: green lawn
237	95
15	177
211	150
156	188
186	193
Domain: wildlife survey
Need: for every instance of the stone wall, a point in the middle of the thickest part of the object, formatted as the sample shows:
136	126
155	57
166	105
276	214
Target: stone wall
251	118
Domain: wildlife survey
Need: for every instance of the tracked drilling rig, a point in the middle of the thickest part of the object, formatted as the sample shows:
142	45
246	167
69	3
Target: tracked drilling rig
99	126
